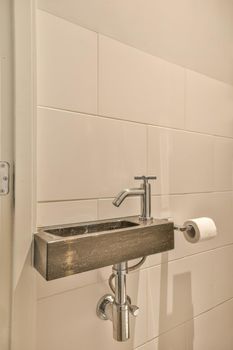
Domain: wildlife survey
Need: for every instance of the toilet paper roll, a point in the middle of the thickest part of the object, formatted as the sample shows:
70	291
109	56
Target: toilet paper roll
200	229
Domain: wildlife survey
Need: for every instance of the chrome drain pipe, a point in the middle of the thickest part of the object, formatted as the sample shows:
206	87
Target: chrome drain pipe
118	307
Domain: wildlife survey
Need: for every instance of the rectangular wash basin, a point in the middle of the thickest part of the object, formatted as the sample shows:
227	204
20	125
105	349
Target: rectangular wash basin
91	228
65	250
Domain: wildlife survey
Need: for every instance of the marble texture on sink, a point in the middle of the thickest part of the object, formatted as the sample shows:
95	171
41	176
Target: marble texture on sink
58	256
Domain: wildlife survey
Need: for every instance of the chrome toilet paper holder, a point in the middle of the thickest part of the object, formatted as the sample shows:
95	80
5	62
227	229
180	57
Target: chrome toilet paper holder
182	228
198	229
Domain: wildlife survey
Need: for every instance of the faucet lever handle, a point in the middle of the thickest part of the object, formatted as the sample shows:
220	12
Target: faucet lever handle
134	310
145	178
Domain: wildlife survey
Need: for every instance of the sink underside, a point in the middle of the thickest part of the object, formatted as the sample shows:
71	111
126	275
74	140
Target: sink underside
65	250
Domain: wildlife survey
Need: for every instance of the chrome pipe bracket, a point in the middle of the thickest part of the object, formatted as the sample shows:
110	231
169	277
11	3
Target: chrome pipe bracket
101	309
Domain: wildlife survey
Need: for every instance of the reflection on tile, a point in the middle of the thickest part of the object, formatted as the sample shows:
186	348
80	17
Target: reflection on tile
80	156
182	161
209	105
212	330
169	296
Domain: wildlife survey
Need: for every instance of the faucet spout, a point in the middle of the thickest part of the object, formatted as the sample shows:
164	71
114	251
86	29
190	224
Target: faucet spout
144	191
127	193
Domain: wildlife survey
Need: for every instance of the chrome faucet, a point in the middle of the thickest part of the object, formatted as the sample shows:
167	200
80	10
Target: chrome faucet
144	191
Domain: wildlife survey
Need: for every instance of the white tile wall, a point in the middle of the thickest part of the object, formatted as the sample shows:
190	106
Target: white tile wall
151	119
209	105
179	290
82	327
213	330
55	213
106	210
172	340
139	87
66	64
58	286
196	37
222	264
182	161
81	156
218	206
168	295
223	164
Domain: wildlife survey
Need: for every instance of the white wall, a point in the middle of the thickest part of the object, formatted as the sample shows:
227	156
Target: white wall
24	285
107	112
6	154
196	34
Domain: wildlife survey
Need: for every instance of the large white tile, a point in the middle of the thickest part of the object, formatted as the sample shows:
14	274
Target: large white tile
223	265
87	157
66	64
209	105
182	289
172	340
161	315
212	330
136	86
223	164
202	279
151	345
67	212
182	161
197	37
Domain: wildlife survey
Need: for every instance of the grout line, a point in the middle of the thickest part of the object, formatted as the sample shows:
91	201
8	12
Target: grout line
75	22
185	99
147	150
211	308
121	119
153	195
184	323
98	75
188	256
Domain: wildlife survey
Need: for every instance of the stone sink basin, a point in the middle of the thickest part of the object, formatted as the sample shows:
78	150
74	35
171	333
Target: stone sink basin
65	250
